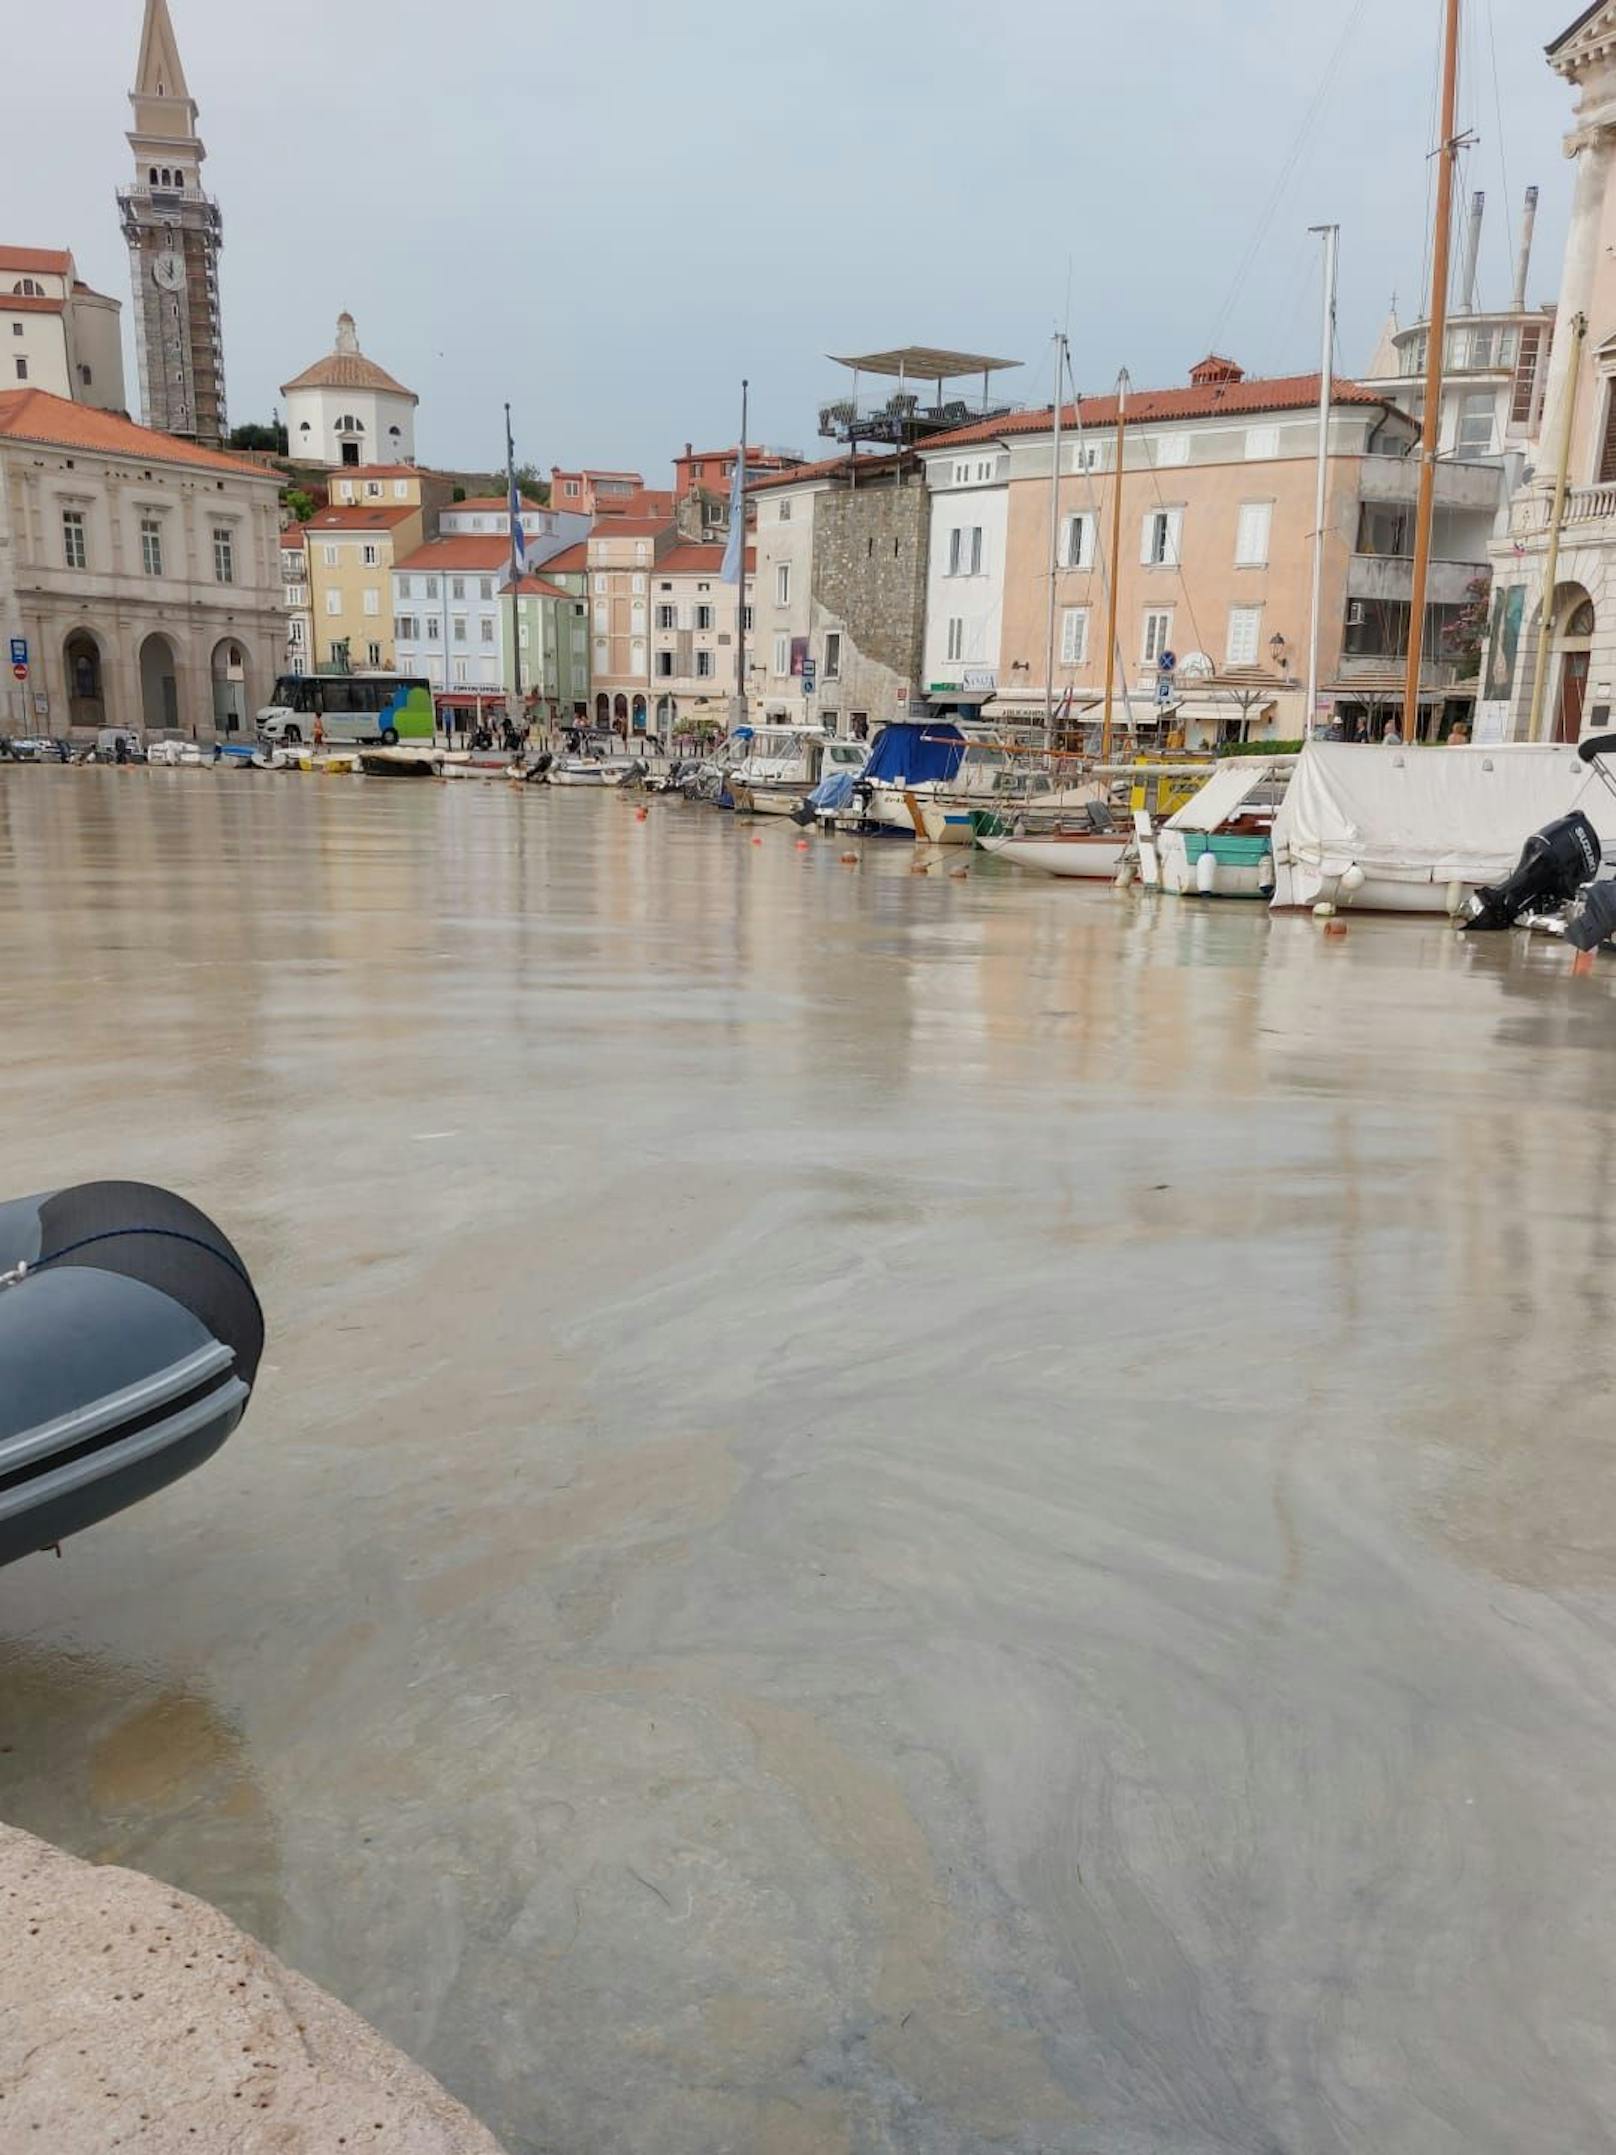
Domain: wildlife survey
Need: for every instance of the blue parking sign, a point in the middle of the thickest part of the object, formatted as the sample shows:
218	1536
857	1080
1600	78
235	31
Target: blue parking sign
19	650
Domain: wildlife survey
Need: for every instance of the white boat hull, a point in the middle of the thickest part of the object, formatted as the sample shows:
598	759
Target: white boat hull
1093	858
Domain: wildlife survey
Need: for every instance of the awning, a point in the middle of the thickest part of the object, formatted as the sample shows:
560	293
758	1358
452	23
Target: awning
1215	710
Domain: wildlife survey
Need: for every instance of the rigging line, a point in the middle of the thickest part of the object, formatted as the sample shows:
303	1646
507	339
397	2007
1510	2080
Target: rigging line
1503	155
1282	181
1427	233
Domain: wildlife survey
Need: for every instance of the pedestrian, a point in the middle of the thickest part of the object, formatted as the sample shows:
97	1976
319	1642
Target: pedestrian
1393	735
319	730
1459	735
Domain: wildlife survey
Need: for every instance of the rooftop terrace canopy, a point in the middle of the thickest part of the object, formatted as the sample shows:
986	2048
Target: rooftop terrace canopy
923	362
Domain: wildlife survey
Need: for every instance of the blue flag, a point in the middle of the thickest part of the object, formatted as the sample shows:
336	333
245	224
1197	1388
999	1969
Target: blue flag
518	535
735	551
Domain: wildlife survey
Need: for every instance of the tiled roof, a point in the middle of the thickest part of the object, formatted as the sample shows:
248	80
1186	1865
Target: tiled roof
650	501
35	415
461	550
692	560
81	290
628	527
829	467
292	539
1216	400
570	558
363	516
26	303
535	587
348	370
53	261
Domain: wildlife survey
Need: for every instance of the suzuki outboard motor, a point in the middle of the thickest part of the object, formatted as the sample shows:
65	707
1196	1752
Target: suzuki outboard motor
1591	920
130	1336
1555	862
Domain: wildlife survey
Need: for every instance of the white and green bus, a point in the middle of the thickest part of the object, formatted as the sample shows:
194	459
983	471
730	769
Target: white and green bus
350	707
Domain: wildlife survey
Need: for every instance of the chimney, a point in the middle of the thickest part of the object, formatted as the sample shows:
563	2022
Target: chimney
1472	250
1523	255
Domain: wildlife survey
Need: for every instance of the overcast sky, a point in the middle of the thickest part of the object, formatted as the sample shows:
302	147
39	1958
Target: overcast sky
609	213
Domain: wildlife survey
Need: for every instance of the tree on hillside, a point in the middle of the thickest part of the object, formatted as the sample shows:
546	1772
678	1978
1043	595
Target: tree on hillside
300	503
256	436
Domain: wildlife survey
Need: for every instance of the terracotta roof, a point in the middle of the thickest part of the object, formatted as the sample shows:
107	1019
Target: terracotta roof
535	587
377	471
651	501
81	290
570	557
691	560
54	261
292	539
35	415
1274	393
461	550
363	516
348	370
828	467
25	303
628	527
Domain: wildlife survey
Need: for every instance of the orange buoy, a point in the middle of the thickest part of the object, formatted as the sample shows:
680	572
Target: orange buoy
1335	927
757	841
802	845
640	814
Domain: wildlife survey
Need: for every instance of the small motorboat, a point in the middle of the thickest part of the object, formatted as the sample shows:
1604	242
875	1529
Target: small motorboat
398	763
595	770
1090	846
485	763
130	1336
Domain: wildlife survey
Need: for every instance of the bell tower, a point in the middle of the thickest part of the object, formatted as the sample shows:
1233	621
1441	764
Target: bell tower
174	234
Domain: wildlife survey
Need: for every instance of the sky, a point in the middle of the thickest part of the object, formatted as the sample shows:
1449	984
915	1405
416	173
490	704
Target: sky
609	214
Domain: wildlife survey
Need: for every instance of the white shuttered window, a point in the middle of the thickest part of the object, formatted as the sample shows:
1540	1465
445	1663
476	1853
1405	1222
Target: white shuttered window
1074	648
1245	626
1159	538
1251	534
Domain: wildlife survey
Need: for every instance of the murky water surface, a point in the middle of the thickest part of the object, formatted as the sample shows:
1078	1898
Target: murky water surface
885	1512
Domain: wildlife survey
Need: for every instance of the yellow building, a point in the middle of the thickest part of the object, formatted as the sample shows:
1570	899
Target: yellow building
379	514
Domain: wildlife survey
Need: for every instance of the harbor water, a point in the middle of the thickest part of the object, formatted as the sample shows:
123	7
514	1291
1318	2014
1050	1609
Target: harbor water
885	1511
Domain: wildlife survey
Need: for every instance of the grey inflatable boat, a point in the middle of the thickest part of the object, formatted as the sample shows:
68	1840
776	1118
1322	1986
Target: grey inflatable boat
130	1336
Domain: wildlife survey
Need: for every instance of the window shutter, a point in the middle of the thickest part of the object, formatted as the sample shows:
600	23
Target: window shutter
1175	532
1147	539
1074	627
1251	535
1243	628
954	551
1607	446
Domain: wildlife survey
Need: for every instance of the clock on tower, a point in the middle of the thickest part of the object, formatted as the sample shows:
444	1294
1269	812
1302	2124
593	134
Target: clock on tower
174	234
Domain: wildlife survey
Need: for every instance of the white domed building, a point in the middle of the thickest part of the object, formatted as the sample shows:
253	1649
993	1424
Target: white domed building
347	410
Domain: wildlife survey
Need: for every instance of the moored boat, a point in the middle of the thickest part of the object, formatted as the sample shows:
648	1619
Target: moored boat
782	765
397	763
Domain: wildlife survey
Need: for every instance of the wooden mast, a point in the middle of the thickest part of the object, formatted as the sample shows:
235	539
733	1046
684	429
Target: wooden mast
1115	567
1436	337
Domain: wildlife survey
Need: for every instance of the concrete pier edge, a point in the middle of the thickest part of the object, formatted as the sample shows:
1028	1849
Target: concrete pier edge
139	2017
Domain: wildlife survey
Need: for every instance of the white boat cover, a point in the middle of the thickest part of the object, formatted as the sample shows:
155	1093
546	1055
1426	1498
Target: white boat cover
1423	815
1226	792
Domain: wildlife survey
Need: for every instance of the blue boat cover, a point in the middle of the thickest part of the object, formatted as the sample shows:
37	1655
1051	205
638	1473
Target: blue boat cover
834	791
913	754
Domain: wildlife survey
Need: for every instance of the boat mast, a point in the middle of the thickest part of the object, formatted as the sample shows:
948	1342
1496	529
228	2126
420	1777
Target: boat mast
1054	546
738	505
1436	337
1320	478
1114	565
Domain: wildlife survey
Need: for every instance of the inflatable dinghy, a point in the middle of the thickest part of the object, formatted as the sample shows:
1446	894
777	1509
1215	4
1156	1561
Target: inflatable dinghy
130	1336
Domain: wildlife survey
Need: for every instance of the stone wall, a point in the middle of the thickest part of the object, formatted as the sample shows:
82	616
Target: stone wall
869	572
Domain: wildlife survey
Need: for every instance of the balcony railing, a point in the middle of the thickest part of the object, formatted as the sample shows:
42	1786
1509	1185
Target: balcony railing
1583	505
905	415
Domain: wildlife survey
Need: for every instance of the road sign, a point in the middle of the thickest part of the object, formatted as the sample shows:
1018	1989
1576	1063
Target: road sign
19	650
1166	661
1164	688
808	676
19	672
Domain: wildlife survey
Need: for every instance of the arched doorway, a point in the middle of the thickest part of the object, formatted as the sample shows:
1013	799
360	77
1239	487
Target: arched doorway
1574	640
229	685
639	714
81	664
603	709
159	684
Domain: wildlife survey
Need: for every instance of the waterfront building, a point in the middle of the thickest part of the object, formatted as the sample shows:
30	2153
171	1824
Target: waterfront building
174	232
55	333
446	610
840	606
1579	689
1218	481
346	411
593	493
547	531
143	570
295	593
552	624
693	634
353	547
622	552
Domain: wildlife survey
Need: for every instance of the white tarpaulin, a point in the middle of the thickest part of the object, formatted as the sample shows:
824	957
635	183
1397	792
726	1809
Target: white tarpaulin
1416	821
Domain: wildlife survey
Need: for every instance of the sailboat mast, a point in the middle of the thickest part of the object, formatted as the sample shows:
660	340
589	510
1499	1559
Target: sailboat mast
1054	546
1436	338
1321	475
1114	565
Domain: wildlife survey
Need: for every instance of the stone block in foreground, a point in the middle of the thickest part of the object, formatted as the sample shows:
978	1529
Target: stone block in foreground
137	2017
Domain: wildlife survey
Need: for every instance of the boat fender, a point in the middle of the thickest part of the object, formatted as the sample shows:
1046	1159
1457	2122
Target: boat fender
1265	875
1324	910
130	1337
1206	873
1352	879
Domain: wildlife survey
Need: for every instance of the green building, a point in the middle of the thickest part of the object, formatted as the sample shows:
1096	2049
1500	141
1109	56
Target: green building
553	632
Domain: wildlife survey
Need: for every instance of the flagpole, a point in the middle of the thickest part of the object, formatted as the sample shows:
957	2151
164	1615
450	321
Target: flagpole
516	576
740	606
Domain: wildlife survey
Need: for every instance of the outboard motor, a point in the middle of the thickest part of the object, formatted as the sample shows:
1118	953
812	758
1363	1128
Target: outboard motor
130	1336
1555	862
1591	919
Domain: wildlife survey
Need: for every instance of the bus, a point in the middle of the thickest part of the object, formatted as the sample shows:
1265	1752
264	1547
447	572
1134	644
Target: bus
350	706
